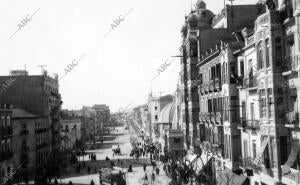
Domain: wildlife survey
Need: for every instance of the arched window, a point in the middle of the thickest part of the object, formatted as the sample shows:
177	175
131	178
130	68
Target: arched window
2	121
8	121
223	73
259	55
267	44
278	55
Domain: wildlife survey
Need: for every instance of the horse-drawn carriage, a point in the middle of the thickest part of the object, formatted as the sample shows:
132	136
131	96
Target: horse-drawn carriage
116	150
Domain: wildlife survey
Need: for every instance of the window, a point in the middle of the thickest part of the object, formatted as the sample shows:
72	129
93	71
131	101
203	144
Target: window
213	73
260	56
254	148
176	140
8	121
200	78
156	117
241	67
267	52
209	104
218	70
243	110
246	149
263	103
223	73
270	103
252	111
278	55
193	50
2	121
155	108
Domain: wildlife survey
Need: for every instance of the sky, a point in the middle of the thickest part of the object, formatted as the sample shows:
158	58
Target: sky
107	51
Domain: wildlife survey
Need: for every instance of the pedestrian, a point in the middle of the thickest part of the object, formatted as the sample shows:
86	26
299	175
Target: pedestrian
157	170
70	183
145	166
92	183
55	182
153	176
130	168
89	169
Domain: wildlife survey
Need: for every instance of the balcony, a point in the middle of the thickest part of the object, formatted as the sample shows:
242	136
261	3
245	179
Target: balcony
207	116
4	155
218	117
291	119
201	116
212	117
290	65
24	132
211	85
217	84
248	124
202	88
250	82
6	131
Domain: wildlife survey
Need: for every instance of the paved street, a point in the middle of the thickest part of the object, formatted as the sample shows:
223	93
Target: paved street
120	137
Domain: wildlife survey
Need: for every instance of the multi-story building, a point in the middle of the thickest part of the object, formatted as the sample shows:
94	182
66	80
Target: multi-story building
39	95
6	141
219	105
208	80
155	105
200	34
88	124
269	91
31	144
102	118
70	130
248	102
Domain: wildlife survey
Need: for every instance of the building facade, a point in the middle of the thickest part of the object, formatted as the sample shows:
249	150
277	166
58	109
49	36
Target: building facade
6	141
71	127
39	95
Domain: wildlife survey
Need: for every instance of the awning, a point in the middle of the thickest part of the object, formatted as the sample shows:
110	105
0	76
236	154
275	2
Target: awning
261	151
292	158
230	178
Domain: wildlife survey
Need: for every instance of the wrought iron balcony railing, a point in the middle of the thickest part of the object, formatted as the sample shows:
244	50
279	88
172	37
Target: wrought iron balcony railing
291	63
250	124
250	82
292	117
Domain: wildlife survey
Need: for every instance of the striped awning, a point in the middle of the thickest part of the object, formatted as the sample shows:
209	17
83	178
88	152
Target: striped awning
292	158
261	151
